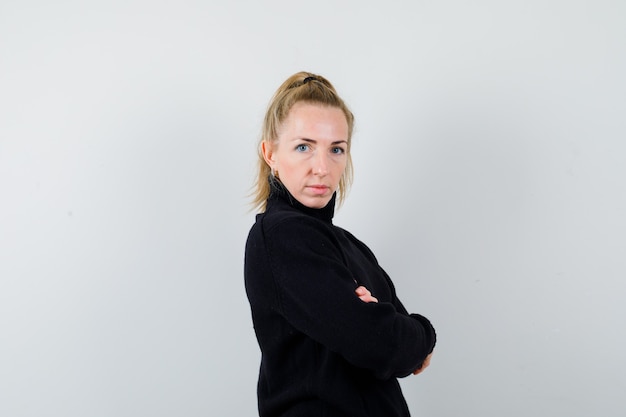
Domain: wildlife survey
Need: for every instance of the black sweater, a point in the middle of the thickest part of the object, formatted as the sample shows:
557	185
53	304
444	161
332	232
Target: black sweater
324	351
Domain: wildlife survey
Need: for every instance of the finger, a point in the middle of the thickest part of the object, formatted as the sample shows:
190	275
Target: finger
365	295
363	292
423	366
368	298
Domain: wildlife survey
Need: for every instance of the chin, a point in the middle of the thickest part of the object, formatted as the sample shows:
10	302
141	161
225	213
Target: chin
316	203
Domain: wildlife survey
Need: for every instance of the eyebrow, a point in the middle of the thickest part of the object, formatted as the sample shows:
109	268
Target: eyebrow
337	142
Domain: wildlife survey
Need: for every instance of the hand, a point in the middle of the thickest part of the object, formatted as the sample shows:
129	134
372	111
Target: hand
424	365
365	295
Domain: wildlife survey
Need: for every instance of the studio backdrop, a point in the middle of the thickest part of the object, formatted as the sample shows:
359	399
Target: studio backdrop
489	181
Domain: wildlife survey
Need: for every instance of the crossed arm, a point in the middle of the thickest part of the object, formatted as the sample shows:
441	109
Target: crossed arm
366	296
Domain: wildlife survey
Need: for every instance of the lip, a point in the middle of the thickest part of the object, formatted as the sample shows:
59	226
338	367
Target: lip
318	188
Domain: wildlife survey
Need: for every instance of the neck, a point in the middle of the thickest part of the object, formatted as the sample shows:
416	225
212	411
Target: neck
279	192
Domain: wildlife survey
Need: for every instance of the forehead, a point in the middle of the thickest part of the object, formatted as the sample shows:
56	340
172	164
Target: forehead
318	119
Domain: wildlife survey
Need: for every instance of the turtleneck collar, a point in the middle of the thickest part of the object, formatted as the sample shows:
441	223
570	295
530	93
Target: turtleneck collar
279	192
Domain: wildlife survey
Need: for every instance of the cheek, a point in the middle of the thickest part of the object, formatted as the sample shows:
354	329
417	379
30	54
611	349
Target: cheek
341	167
290	170
287	164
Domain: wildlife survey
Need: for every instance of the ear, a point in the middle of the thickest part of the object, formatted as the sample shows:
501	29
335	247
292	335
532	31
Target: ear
267	149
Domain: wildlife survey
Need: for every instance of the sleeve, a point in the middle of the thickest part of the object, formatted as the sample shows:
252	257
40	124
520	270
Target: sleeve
316	296
423	320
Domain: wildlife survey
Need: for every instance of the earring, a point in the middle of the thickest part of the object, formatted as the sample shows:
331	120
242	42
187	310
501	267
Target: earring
274	173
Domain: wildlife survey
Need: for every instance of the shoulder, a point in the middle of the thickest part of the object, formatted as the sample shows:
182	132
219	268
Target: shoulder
283	232
284	218
297	229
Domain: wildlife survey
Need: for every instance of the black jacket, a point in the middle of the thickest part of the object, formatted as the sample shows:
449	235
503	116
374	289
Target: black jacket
324	351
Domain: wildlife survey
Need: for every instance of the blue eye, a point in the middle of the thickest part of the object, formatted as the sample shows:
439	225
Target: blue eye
302	148
337	150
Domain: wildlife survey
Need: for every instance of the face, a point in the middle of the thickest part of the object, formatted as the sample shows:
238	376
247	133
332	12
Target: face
310	153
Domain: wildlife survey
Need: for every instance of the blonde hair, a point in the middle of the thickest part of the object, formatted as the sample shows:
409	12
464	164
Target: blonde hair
300	87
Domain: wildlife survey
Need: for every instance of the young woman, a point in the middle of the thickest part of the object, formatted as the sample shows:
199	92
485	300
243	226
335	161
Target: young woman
333	334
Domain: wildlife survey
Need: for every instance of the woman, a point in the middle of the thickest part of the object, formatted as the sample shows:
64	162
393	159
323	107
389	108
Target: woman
333	335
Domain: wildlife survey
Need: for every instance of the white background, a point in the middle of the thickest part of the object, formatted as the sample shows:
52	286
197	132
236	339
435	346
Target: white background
490	182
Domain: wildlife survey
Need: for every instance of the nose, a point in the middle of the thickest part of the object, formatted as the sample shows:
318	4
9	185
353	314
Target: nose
320	164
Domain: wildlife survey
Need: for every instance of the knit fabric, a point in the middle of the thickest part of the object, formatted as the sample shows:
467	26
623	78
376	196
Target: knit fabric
324	351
